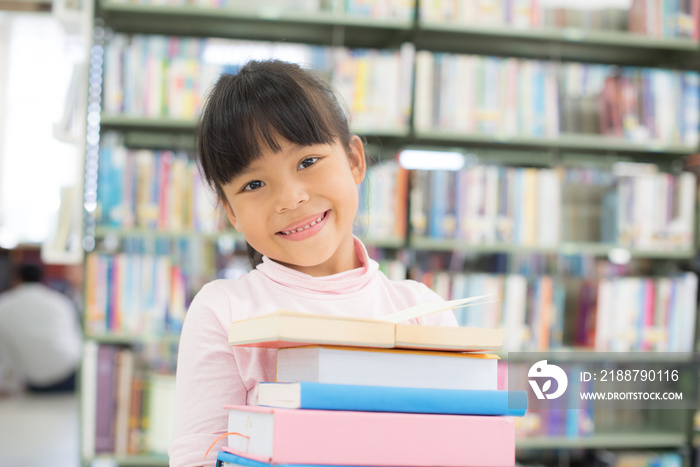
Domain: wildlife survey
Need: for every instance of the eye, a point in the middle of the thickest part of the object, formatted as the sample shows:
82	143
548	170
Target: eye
252	186
308	162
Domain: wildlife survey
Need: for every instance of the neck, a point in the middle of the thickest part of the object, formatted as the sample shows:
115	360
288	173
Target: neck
345	259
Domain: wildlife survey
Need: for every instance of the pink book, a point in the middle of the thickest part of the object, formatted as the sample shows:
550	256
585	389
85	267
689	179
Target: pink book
293	436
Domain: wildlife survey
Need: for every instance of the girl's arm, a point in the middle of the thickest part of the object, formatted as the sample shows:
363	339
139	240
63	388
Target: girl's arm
207	379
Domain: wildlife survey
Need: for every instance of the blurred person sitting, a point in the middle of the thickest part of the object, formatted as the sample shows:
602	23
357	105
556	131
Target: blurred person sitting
40	334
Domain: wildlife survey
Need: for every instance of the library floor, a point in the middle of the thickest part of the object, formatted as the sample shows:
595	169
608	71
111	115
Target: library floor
34	429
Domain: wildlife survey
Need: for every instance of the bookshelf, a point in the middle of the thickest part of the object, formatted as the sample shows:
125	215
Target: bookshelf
162	132
317	27
563	248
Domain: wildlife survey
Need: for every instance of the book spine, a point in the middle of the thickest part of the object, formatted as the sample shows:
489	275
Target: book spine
321	396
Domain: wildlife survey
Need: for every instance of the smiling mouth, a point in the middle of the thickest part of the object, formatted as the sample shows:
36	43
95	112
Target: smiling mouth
305	227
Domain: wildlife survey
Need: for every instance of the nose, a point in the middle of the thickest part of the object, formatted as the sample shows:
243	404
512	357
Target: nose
290	195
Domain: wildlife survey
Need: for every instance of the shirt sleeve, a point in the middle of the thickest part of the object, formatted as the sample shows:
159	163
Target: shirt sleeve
207	378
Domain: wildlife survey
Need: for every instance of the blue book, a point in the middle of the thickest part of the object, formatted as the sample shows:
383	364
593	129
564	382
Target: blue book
351	397
229	459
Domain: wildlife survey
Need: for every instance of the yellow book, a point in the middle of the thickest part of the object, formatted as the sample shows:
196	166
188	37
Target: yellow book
292	329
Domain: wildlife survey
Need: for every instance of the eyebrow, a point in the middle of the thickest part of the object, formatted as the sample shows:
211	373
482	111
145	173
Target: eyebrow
295	148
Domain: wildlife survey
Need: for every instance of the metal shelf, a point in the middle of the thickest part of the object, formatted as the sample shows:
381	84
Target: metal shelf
565	248
142	460
130	339
644	440
172	132
570	142
268	24
101	231
580	354
579	35
571	44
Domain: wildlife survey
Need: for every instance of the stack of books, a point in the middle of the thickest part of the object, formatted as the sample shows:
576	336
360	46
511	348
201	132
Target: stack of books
365	392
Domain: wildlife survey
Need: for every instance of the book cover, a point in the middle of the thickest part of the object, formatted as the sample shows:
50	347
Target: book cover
352	397
387	367
106	398
289	329
370	438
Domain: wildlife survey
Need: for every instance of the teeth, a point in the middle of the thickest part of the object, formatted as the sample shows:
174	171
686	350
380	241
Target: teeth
287	232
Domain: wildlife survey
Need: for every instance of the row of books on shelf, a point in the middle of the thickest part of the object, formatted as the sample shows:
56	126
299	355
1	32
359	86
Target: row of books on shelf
481	204
134	295
159	190
654	18
510	97
609	458
488	204
126	408
566	416
626	458
140	291
375	85
572	415
381	209
495	96
609	314
164	191
402	10
146	294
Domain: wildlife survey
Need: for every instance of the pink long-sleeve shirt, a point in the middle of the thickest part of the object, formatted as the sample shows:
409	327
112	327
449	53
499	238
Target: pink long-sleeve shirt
211	374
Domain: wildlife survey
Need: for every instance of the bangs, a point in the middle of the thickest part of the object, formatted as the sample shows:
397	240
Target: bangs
247	114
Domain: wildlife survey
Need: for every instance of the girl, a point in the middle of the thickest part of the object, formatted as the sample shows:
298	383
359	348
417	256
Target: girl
275	145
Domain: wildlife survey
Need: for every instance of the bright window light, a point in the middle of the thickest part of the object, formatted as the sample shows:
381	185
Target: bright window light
36	61
418	159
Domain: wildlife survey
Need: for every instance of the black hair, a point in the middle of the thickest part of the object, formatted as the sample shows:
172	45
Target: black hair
266	100
30	273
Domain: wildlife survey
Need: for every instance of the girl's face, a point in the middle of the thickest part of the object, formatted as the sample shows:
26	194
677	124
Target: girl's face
297	206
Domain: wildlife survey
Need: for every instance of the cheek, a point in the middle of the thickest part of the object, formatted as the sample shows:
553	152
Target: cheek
344	191
244	218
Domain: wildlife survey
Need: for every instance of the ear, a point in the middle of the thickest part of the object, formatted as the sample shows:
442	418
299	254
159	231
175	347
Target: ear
230	214
358	164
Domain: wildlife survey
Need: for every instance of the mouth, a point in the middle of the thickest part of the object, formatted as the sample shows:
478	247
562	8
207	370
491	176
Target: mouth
307	229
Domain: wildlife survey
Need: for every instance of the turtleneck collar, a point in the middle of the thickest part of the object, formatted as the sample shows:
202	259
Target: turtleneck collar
342	283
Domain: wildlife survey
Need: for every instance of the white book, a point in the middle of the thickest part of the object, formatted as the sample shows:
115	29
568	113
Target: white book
113	86
88	399
603	315
552	100
161	405
407	58
686	208
387	367
474	202
442	284
549	205
687	331
423	108
488	234
121	419
510	113
514	313
643	203
661	312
